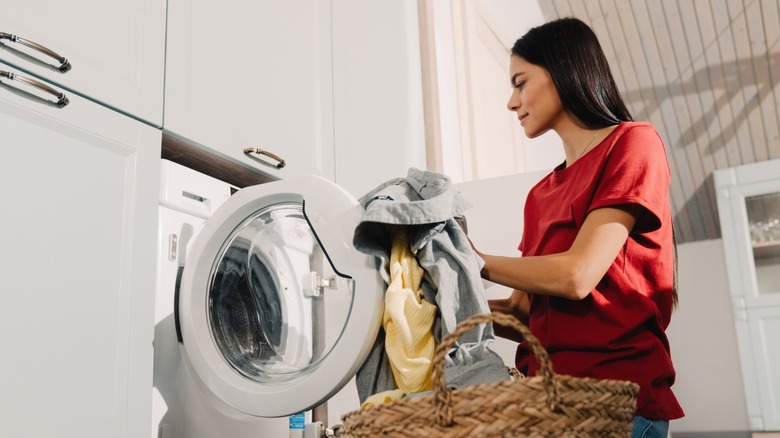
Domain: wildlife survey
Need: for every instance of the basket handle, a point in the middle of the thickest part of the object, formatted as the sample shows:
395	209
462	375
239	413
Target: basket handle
443	395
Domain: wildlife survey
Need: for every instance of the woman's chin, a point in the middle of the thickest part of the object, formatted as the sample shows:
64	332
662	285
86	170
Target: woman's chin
532	133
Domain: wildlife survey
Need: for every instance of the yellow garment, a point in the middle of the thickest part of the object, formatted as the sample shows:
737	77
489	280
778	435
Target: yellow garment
383	397
408	319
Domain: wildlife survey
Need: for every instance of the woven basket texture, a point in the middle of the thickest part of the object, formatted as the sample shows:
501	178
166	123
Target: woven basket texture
545	405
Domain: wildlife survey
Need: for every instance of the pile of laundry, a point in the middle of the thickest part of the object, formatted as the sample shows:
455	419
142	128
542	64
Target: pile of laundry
433	282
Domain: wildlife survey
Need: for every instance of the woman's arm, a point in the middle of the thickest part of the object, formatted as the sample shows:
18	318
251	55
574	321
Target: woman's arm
574	273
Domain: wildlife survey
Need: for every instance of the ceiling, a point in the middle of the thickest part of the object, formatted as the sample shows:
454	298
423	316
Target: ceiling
705	74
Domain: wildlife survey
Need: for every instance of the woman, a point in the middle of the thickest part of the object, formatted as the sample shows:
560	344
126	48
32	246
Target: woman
596	283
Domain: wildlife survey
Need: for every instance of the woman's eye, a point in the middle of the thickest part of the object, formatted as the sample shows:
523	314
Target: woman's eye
520	85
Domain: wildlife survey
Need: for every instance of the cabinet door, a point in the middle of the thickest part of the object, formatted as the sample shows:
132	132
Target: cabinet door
749	210
117	59
764	332
253	74
79	188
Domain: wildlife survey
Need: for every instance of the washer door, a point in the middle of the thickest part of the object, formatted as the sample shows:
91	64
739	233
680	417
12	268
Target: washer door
277	310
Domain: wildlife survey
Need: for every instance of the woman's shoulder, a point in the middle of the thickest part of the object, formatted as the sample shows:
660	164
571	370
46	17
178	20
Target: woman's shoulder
637	142
631	135
636	128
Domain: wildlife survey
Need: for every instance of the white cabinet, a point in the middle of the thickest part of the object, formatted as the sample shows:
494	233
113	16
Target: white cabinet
332	87
116	49
749	210
79	199
764	325
254	74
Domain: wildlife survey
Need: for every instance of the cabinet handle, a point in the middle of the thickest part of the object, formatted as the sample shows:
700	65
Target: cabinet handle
281	163
64	63
62	100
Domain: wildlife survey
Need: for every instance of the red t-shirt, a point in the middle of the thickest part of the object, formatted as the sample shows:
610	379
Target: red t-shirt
616	332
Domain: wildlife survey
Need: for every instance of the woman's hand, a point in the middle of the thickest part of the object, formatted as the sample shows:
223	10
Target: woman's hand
517	305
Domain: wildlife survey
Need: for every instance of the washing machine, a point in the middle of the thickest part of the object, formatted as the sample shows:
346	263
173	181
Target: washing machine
264	307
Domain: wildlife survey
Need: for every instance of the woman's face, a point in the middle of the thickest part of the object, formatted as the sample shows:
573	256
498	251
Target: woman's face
534	97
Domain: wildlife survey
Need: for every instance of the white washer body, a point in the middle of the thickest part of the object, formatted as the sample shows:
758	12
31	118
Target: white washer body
228	377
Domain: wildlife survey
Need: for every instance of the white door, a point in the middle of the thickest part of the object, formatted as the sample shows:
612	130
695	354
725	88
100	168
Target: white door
750	224
115	50
749	212
253	74
277	310
764	325
79	191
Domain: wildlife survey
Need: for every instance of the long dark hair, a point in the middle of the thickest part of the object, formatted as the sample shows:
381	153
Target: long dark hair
569	50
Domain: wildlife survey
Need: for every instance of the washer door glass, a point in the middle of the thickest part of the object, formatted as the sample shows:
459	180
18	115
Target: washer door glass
277	310
276	307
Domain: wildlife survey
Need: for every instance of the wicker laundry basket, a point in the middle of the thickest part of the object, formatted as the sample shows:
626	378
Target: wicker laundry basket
545	405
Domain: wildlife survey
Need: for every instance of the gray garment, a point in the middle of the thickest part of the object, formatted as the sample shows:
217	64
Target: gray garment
427	202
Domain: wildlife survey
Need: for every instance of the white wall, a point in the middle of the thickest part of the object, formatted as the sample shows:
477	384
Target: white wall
704	345
513	18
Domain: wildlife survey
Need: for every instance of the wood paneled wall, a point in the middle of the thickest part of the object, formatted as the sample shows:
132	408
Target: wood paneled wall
705	73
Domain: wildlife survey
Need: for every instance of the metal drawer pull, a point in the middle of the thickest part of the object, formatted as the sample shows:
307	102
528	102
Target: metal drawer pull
62	100
64	63
281	163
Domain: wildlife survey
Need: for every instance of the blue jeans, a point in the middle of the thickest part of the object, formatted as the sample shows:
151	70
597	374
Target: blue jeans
645	428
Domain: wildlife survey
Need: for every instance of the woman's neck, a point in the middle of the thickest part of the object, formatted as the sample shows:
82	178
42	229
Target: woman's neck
578	140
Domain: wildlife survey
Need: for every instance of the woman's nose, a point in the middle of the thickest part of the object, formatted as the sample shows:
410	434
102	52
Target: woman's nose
514	102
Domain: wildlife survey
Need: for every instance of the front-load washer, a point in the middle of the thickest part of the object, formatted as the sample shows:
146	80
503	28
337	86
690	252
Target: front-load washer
274	310
187	199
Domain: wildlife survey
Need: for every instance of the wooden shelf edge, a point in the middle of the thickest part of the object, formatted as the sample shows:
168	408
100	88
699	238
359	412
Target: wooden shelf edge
189	155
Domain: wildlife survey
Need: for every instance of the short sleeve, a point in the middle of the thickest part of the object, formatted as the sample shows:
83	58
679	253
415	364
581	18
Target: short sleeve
636	172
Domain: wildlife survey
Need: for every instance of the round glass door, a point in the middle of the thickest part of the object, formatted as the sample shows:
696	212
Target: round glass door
277	309
268	323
